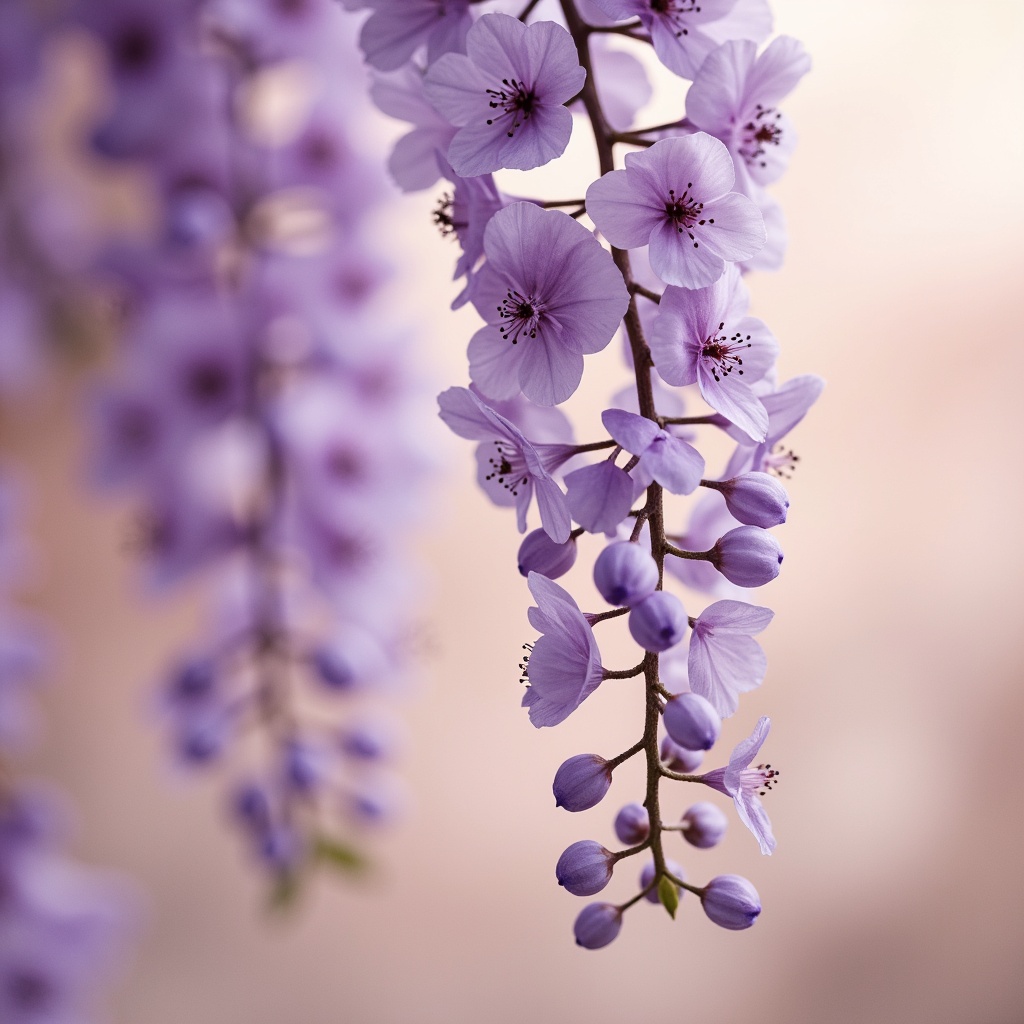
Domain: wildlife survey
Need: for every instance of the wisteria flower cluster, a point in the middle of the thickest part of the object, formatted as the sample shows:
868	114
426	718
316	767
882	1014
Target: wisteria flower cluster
684	213
60	923
260	413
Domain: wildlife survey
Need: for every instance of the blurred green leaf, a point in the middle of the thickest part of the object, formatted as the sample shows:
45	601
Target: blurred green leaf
329	851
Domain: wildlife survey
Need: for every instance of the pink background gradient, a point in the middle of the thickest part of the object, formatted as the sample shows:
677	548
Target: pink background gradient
894	660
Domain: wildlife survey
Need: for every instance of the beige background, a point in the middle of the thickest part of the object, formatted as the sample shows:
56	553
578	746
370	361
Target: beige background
895	657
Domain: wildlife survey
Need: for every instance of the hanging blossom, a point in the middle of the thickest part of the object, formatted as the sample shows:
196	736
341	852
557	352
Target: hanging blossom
684	221
61	924
263	415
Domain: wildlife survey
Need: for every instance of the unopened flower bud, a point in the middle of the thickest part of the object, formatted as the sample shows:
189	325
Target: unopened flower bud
305	766
679	759
747	556
632	824
757	499
692	722
731	901
625	573
539	553
367	741
658	622
647	876
584	868
251	804
596	925
581	782
705	824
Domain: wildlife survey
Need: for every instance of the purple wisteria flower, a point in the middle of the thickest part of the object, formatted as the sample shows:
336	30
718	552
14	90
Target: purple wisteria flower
724	659
677	196
684	32
550	294
414	160
511	469
507	94
676	465
703	336
734	98
397	28
564	667
786	406
745	784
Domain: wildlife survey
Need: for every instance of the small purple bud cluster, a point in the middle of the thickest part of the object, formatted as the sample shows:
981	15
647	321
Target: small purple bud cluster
685	215
60	923
261	409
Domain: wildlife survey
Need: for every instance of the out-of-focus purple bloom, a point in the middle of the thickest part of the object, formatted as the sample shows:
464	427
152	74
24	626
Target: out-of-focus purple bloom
676	465
703	336
565	665
692	722
745	784
731	902
550	294
597	925
397	28
414	160
512	469
704	825
708	521
647	876
507	94
581	782
539	553
677	197
679	759
747	556
734	97
658	622
584	868
632	824
625	573
622	83
599	496
684	32
725	660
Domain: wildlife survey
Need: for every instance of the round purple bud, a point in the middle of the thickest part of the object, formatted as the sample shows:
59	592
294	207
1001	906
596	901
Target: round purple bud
305	766
756	499
367	741
192	682
584	868
731	901
281	847
647	876
596	925
201	740
692	722
747	556
251	804
632	824
539	553
625	573
705	824
581	782
658	622
679	759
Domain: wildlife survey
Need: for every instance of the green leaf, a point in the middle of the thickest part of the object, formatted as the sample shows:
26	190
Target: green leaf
669	896
338	855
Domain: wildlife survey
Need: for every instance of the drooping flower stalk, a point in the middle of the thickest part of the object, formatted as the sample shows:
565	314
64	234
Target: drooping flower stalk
684	218
261	411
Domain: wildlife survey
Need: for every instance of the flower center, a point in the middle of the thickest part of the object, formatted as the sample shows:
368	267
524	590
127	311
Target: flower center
781	461
759	780
515	101
721	352
443	215
673	11
521	315
507	467
684	211
760	132
524	665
